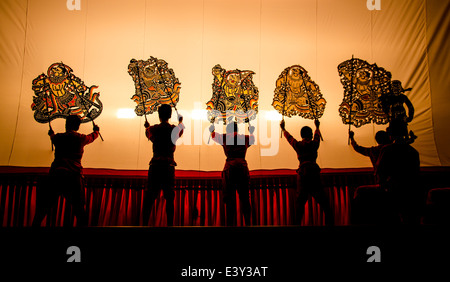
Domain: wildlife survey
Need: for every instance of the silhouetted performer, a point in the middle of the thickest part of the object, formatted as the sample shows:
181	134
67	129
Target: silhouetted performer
161	172
66	171
398	171
235	174
369	201
308	178
373	152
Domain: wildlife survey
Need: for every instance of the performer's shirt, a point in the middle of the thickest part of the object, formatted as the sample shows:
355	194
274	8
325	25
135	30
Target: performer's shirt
235	147
372	152
164	136
398	165
69	149
306	149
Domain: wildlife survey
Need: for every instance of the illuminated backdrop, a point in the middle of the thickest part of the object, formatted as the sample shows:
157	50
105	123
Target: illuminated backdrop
98	38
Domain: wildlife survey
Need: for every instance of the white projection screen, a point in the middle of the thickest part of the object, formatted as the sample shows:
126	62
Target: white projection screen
98	38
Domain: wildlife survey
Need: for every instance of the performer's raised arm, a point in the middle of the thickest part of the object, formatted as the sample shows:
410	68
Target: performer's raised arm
359	149
217	137
178	130
92	136
148	130
287	135
251	138
317	133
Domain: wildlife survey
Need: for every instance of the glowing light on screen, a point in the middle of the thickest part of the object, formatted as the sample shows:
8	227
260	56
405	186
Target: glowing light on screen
125	113
273	115
198	114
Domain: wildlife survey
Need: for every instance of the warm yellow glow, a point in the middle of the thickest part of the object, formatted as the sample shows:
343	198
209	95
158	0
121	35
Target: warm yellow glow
199	114
125	113
251	37
273	115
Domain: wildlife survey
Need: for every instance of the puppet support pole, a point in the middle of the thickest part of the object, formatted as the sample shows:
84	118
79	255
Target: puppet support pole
165	88
351	101
285	97
142	94
309	102
46	106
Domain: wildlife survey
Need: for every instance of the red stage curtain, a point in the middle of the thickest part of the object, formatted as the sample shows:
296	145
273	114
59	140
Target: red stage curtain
114	198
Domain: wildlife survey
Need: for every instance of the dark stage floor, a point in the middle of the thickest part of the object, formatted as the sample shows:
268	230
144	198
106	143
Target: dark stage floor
231	252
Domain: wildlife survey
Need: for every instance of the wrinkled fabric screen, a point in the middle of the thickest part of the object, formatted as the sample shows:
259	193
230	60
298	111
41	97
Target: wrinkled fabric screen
98	38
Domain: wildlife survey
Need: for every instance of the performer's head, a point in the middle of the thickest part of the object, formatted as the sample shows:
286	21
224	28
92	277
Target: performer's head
397	130
73	122
382	137
306	132
232	127
165	112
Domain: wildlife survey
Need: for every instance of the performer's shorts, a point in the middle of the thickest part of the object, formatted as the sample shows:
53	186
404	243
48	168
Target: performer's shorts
308	177
162	177
65	183
235	178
